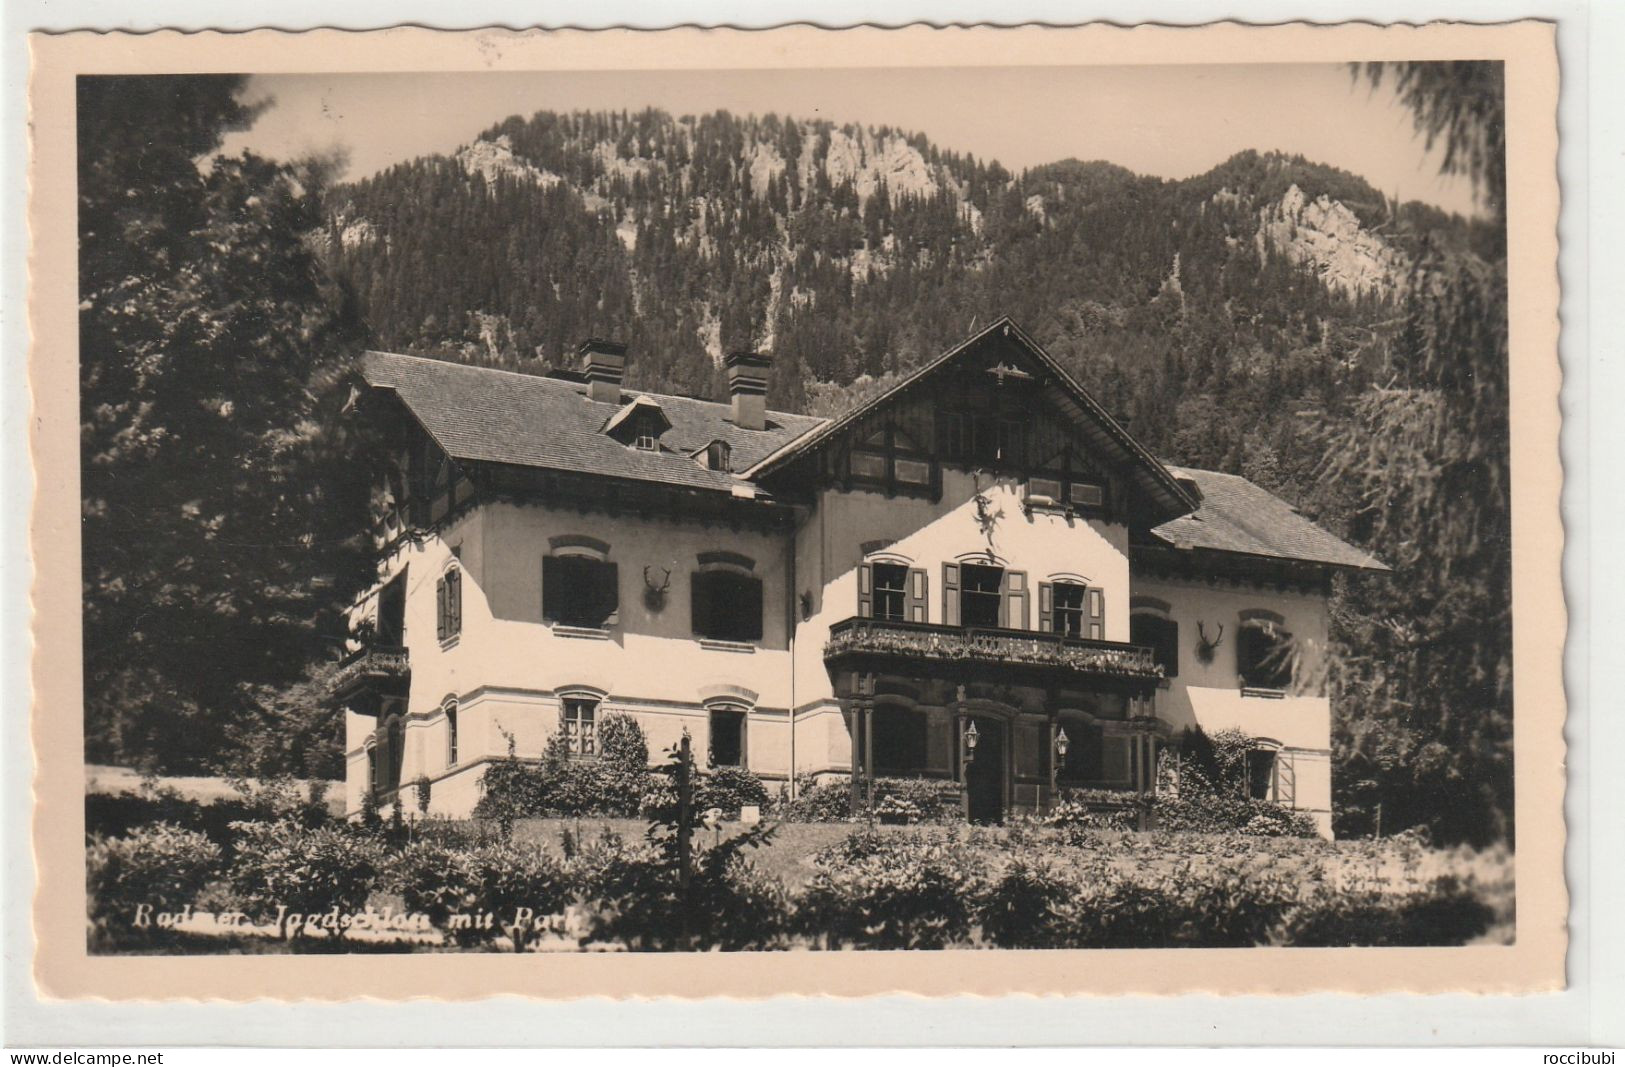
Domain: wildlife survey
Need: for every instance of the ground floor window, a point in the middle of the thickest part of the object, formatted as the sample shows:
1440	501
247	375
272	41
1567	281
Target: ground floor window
728	737
1261	774
580	726
451	734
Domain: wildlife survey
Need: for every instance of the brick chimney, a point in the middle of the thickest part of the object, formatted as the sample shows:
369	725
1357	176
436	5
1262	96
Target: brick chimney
747	388
603	363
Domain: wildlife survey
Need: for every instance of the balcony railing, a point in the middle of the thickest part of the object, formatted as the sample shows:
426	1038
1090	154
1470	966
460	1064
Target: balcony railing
872	639
380	669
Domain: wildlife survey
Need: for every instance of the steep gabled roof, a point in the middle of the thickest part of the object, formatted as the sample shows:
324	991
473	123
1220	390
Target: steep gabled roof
482	415
1149	475
1239	517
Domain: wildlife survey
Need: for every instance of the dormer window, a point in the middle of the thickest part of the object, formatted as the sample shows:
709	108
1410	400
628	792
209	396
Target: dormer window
718	456
639	424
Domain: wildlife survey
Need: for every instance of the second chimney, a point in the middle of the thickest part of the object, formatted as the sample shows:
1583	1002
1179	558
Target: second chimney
604	364
747	389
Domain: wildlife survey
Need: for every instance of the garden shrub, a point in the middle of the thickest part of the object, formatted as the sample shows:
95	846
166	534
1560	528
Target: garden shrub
829	800
892	891
1028	905
163	866
729	788
1215	813
283	869
499	879
612	784
1445	912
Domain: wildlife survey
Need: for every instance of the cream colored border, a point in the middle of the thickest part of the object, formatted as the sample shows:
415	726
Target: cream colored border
63	968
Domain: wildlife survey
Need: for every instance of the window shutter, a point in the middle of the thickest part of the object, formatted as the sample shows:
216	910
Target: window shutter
609	593
699	601
1097	614
866	591
454	602
550	576
1046	607
950	594
916	595
440	609
1286	780
753	609
1014	615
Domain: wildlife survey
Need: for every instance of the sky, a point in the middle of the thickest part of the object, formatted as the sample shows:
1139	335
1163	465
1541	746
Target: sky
1167	121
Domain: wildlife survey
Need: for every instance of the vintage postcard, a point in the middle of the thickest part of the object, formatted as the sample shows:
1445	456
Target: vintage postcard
706	512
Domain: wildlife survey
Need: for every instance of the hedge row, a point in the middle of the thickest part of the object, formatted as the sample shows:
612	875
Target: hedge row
904	889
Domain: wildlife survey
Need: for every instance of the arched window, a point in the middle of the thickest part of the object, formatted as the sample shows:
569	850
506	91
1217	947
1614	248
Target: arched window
578	723
389	760
726	598
580	587
718	456
1150	627
450	712
727	748
1264	651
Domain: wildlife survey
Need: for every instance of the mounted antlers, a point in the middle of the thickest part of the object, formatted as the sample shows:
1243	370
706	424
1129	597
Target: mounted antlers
654	593
1206	645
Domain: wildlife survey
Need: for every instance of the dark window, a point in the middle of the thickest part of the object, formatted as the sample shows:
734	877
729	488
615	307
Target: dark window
727	737
727	606
1160	635
717	456
579	591
900	740
449	604
1071	612
891	591
1261	774
980	595
580	725
451	735
1264	654
394	746
392	612
1085	752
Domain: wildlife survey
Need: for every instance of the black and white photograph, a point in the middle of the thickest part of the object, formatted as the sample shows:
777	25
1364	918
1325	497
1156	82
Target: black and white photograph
796	510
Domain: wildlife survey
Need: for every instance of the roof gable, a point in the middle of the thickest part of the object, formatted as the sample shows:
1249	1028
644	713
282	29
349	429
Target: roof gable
1009	355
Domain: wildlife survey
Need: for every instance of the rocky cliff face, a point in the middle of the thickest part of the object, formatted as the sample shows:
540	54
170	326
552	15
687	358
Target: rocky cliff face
1325	235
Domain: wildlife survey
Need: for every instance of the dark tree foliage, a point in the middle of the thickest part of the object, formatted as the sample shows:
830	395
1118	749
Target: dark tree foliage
222	525
1425	737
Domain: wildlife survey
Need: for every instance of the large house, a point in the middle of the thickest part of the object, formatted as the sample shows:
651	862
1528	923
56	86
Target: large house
977	577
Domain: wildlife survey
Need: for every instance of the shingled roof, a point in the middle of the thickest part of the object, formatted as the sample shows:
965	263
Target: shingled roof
1238	516
482	415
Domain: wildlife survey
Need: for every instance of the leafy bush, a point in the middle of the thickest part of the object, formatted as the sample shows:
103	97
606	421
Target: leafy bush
621	741
829	800
283	869
1443	913
729	788
891	891
162	866
454	887
1096	809
1028	905
613	784
1213	813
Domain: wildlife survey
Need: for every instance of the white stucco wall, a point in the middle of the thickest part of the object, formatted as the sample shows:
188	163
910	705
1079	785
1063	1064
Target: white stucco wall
508	668
1209	695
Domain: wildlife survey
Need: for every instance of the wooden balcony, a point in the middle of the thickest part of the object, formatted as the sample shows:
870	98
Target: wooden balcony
977	654
369	673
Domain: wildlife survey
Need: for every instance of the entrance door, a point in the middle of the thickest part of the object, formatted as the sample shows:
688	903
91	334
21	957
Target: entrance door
984	778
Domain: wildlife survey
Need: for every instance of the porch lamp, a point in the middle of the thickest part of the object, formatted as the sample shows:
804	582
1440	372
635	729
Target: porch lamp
1062	743
971	737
